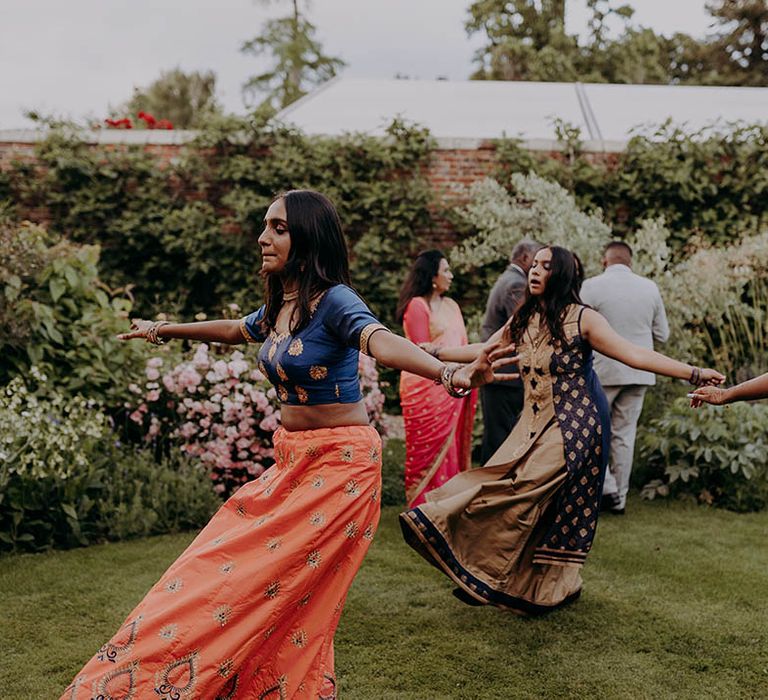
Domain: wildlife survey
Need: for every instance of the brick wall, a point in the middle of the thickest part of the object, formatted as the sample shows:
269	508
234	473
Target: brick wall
454	166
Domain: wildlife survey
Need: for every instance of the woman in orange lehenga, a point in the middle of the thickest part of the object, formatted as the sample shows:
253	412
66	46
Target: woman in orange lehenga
249	610
438	427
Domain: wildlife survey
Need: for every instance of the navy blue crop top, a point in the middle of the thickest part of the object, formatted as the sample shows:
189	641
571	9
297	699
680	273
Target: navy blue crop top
319	364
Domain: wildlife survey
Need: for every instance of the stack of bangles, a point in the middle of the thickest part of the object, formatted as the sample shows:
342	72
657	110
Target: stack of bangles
152	336
695	378
446	379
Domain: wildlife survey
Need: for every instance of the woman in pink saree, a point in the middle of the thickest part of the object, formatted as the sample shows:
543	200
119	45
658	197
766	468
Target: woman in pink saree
438	427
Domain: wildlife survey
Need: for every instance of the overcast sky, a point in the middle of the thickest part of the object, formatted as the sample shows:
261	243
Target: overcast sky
76	57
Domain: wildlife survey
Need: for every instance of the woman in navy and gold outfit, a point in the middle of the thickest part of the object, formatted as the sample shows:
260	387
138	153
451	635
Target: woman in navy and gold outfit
516	532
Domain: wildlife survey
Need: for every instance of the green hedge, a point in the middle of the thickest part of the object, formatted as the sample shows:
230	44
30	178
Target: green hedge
184	234
711	183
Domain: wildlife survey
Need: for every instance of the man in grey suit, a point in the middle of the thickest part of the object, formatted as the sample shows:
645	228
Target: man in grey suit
502	402
633	306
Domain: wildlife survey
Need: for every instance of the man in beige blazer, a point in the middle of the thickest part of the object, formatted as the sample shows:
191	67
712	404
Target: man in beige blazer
632	305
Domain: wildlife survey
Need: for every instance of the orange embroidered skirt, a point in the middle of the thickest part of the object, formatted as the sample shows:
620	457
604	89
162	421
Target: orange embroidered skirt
249	610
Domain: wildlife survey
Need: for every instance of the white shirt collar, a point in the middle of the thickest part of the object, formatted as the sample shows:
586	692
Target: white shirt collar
618	267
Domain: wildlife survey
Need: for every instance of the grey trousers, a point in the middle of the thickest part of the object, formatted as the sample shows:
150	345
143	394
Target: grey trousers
626	404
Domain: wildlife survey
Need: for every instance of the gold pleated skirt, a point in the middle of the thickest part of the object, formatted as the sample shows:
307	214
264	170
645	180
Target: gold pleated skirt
483	526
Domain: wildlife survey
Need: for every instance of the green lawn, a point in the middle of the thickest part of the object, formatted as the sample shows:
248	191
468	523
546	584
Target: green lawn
675	605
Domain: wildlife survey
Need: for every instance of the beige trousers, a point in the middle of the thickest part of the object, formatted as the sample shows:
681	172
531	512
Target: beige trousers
626	404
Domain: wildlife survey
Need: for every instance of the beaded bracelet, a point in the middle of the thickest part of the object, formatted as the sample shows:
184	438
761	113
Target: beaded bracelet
152	336
695	377
446	379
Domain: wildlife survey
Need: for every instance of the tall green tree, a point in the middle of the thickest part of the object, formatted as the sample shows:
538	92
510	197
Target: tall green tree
741	42
298	61
526	40
185	99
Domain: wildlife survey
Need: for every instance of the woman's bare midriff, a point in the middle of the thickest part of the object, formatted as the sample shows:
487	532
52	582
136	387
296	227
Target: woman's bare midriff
327	415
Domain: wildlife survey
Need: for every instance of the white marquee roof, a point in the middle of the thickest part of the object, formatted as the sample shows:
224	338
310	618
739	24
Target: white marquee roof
489	109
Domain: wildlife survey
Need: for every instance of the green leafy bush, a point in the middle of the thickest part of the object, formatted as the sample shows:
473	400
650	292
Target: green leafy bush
184	233
58	315
717	454
709	183
66	481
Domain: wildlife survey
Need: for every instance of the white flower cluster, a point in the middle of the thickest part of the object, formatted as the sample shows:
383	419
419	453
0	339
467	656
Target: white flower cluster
716	301
538	209
44	437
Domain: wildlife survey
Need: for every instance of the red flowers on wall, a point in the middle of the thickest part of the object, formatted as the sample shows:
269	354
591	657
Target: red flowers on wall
149	122
119	123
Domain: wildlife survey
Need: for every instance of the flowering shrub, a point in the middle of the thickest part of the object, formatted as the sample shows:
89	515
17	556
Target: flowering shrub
222	411
45	436
66	481
536	209
125	123
149	122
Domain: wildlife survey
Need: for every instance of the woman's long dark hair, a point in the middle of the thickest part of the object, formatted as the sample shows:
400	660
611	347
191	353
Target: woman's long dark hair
418	283
318	258
562	289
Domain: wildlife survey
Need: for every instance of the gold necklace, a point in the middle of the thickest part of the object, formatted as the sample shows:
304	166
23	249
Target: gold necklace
291	296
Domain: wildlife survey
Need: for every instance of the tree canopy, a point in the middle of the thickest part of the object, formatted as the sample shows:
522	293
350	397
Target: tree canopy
298	61
527	40
184	99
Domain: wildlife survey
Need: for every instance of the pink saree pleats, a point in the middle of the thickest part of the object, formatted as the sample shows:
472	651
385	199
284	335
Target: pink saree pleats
438	435
438	428
249	610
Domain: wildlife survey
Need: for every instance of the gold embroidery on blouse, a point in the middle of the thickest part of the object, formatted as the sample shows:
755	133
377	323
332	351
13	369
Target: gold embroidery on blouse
302	394
281	372
272	351
295	348
282	392
318	372
263	368
337	392
316	302
248	337
367	332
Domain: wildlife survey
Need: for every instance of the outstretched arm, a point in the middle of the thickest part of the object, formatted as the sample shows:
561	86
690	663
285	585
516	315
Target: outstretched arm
606	341
222	331
397	352
465	353
751	390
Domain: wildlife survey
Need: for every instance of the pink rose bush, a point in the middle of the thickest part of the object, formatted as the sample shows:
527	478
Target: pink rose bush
223	411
